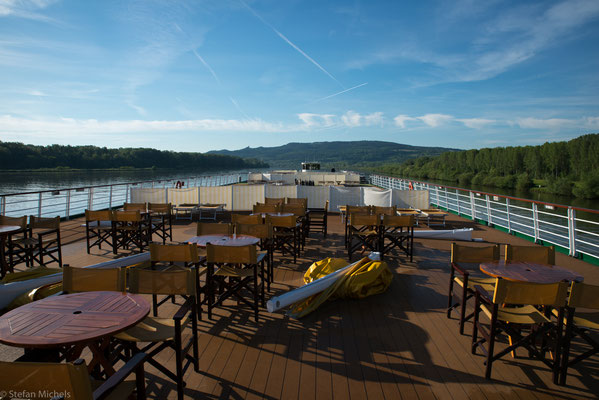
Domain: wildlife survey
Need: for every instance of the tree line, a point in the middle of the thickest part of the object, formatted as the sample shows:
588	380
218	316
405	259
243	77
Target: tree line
565	168
19	156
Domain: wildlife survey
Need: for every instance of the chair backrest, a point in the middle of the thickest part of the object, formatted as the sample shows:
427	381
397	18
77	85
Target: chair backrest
357	219
214	228
584	295
358	210
19	221
231	254
134	207
265	208
126	216
533	254
298	200
296	209
398	221
326	206
44	223
289	221
92	279
274	200
169	282
187	253
384	210
162	208
472	254
70	379
246	219
99	215
260	231
525	293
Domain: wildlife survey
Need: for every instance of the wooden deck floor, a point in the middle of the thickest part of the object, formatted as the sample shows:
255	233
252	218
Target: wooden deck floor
396	345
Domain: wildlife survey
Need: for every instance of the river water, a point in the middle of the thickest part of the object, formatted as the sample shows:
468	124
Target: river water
20	182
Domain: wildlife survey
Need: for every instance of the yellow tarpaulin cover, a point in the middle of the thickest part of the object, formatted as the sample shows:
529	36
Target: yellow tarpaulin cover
364	279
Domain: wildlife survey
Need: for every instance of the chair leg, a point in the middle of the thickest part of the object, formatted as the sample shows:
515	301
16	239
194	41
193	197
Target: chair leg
463	308
179	360
256	293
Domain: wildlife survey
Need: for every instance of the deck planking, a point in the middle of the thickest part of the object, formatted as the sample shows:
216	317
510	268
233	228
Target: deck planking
398	344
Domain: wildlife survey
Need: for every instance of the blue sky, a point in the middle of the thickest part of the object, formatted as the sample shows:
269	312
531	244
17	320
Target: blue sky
205	75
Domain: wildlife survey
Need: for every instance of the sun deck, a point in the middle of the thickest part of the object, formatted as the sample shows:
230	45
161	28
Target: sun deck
399	344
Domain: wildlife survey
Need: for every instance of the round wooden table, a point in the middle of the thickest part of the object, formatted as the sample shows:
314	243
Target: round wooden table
5	231
529	272
76	320
224	240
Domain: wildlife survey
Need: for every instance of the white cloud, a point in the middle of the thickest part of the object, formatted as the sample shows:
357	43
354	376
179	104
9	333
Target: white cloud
550	123
592	122
24	8
476	123
71	127
375	118
400	120
434	120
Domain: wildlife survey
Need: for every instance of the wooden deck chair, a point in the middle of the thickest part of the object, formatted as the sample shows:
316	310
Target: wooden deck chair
214	228
349	210
460	275
363	233
317	219
72	380
265	208
44	235
172	257
17	243
246	219
299	210
161	218
532	254
384	210
285	232
509	320
239	267
581	324
274	200
131	229
93	279
153	334
99	229
397	232
264	233
297	200
141	207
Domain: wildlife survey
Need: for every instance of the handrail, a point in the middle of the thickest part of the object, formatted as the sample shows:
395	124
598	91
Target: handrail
579	236
70	201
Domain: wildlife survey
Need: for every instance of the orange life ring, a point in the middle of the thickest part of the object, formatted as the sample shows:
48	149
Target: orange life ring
411	186
178	185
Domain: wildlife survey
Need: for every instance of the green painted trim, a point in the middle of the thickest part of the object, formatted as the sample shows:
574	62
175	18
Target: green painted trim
563	250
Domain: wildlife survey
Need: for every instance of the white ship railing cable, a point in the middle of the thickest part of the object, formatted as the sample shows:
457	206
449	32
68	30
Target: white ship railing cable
70	202
542	222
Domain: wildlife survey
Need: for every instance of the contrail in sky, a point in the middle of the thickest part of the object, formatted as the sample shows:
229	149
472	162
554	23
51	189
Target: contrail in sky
290	43
343	91
206	65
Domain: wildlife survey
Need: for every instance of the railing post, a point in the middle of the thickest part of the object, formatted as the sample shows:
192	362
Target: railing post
110	199
489	216
507	211
572	231
472	206
39	205
535	220
67	212
457	200
127	194
90	198
3	209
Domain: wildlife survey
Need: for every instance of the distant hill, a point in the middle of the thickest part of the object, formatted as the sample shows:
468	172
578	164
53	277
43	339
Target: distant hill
19	156
365	153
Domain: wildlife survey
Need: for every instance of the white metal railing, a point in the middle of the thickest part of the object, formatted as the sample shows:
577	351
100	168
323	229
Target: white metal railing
69	202
550	223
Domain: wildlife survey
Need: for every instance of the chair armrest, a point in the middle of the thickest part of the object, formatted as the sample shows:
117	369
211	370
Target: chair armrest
182	310
135	363
483	294
459	269
44	233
